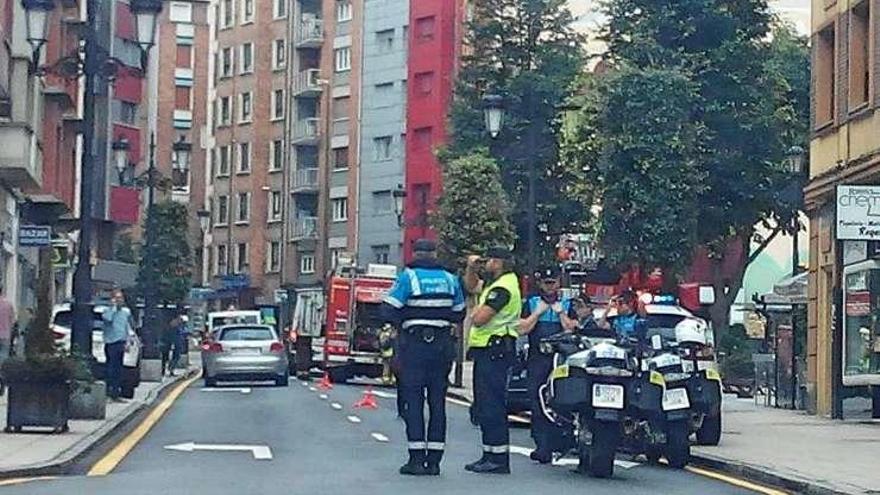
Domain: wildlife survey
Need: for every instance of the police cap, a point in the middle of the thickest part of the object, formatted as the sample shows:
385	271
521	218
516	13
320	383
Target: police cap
499	252
550	271
424	246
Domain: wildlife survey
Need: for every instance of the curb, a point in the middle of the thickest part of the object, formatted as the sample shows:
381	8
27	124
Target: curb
60	464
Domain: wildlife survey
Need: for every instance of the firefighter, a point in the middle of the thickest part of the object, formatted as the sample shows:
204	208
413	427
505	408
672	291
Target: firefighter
425	304
492	344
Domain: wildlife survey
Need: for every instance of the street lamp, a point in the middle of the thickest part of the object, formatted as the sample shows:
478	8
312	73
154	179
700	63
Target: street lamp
204	217
120	157
493	114
794	160
37	23
204	220
399	196
146	15
181	152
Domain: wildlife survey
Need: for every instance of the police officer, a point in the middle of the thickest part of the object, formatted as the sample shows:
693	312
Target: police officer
425	303
544	314
492	344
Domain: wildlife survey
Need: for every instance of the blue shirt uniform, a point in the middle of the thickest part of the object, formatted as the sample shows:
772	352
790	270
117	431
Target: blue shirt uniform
425	295
549	323
627	326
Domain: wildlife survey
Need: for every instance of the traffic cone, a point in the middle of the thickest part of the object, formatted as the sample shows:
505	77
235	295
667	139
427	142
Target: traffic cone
325	383
368	401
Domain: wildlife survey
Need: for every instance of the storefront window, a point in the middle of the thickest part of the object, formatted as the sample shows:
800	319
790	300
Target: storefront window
861	352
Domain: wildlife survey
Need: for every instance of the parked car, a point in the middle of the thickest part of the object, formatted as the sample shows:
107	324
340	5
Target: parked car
244	352
62	322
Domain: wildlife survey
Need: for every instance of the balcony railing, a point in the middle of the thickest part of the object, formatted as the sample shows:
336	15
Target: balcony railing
306	131
305	228
307	83
305	180
311	33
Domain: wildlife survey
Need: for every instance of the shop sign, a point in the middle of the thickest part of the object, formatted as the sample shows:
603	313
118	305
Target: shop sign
858	213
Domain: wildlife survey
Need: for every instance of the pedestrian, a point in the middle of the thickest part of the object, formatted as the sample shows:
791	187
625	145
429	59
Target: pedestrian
117	325
7	322
587	325
544	314
169	345
492	344
425	304
627	323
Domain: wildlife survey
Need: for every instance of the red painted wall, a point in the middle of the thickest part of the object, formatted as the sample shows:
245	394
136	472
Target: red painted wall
433	54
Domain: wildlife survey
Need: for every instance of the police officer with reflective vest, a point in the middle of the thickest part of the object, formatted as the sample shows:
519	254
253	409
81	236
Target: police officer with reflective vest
492	344
425	304
544	314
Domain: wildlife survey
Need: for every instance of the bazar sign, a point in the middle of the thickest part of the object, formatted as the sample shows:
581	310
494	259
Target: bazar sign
858	213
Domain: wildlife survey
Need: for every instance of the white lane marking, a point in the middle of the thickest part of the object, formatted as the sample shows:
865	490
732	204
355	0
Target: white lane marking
458	402
384	395
379	437
242	390
260	452
354	419
313	389
323	396
336	406
568	461
304	384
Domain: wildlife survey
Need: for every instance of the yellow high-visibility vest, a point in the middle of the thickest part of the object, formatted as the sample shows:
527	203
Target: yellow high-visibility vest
506	321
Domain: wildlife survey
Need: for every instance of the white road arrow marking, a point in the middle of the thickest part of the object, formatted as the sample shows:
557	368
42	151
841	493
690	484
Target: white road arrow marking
379	437
243	390
384	395
260	452
567	461
336	406
354	419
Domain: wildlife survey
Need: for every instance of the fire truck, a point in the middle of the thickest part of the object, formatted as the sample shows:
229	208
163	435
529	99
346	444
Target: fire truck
354	322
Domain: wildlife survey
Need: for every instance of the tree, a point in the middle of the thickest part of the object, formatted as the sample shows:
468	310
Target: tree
168	263
124	249
750	105
527	51
473	213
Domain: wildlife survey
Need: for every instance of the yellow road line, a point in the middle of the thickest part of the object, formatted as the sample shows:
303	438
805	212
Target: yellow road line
112	459
18	481
748	485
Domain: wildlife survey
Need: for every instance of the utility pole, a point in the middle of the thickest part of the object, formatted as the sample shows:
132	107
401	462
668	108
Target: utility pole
151	332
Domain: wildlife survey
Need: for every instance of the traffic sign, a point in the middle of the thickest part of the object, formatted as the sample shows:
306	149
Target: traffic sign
239	281
34	235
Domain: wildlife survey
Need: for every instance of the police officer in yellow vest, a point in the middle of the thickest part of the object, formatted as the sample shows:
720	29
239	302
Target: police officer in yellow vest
492	344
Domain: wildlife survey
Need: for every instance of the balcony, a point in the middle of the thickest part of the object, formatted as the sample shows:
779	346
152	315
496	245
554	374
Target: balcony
307	85
305	132
305	228
310	33
305	181
19	167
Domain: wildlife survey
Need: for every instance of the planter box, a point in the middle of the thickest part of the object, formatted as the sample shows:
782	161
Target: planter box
88	401
38	404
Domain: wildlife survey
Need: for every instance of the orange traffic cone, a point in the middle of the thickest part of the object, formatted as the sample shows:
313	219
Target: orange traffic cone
368	401
325	383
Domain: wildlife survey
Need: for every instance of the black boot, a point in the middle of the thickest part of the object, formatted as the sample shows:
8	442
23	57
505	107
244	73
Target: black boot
481	460
416	464
543	456
432	463
495	464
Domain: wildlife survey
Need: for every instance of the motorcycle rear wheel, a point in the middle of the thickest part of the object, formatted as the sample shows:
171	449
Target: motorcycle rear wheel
678	445
606	437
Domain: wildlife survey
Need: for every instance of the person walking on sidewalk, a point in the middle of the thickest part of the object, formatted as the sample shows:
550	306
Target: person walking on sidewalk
171	344
492	343
425	304
117	323
7	321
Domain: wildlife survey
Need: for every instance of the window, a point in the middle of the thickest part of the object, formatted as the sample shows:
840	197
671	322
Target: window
180	12
382	148
824	74
225	110
424	83
179	174
241	258
279	54
306	263
334	256
278	104
343	59
244	158
228	13
273	261
425	28
276	155
274	206
182	98
128	113
385	40
222	258
859	62
382	202
247	11
381	253
184	56
341	108
343	10
340	209
247	58
384	95
222	210
340	158
243	214
423	138
861	302
246	104
223	169
226	61
279	9
422	195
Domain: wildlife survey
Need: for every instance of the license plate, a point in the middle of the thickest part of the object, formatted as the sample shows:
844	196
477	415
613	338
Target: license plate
246	351
608	396
675	398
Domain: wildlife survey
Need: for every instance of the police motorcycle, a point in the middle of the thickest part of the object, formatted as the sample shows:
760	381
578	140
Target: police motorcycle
703	380
600	398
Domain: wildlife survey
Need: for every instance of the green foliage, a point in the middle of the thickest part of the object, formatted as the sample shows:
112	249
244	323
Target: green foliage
167	263
124	249
736	354
473	213
40	368
528	52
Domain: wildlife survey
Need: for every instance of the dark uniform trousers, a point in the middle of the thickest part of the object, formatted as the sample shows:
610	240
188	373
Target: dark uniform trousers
545	433
424	373
490	402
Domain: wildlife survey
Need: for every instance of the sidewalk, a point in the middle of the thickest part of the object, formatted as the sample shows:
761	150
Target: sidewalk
790	449
29	454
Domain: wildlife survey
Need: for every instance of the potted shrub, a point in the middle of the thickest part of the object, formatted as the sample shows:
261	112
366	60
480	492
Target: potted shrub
88	399
39	391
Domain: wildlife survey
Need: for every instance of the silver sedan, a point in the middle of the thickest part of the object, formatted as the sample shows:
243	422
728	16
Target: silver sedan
244	352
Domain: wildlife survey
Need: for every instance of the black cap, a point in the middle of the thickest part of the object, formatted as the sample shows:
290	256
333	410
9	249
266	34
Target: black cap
499	252
424	246
551	271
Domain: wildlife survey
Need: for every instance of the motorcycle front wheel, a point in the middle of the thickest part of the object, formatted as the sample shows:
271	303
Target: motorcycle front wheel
606	437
